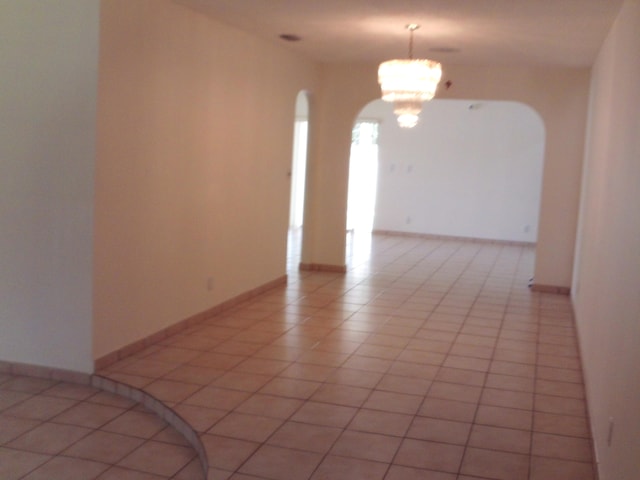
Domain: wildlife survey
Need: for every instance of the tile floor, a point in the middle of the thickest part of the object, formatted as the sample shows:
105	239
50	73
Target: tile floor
428	359
53	430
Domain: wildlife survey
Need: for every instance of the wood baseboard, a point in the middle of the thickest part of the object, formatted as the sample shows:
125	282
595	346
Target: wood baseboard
139	345
322	267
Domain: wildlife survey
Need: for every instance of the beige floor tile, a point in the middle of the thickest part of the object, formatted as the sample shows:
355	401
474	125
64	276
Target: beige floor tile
40	407
557	469
307	371
341	468
9	398
498	438
28	384
304	436
136	424
170	390
393	402
368	446
227	453
147	368
507	398
89	415
368	364
158	458
219	398
290	387
510	382
429	455
504	417
406	385
494	464
173	355
270	406
355	378
561	424
559	374
64	468
72	391
200	419
414	370
194	374
49	438
281	463
560	389
111	399
453	391
326	359
558	446
422	357
467	363
262	366
437	430
239	380
119	473
448	409
216	360
516	356
342	364
341	395
103	447
397	472
192	471
560	405
246	427
385	423
13	427
511	368
15	464
324	414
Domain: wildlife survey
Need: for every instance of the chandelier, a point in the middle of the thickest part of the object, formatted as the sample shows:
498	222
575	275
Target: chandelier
408	82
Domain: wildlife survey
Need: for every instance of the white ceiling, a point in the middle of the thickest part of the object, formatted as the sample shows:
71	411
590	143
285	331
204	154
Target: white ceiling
494	32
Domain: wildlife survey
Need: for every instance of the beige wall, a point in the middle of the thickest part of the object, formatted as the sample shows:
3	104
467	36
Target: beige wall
48	85
558	95
606	287
195	137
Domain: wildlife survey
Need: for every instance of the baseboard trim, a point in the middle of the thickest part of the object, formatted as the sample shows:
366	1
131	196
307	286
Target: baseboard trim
322	267
537	287
139	345
49	373
157	407
432	236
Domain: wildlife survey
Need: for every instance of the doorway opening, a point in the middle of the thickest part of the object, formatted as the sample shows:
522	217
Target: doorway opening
363	185
363	176
298	175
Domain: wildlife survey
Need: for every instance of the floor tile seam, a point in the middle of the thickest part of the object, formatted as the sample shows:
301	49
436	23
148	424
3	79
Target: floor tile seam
139	447
168	414
484	386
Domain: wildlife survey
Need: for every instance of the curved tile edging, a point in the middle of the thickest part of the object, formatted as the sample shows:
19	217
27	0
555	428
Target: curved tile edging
159	408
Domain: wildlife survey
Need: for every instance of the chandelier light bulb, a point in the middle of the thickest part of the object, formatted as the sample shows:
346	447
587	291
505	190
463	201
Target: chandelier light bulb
409	81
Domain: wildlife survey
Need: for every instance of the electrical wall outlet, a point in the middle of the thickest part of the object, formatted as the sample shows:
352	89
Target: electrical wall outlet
209	283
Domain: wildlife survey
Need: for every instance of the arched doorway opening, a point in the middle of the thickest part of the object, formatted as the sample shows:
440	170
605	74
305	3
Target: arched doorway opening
297	173
469	169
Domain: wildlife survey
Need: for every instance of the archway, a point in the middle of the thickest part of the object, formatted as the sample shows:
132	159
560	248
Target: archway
470	169
297	174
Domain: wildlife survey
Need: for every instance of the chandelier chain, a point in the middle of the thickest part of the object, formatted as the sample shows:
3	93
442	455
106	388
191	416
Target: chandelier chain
411	27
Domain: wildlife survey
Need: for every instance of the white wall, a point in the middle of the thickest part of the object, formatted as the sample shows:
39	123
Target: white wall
195	138
558	95
49	65
468	169
606	286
